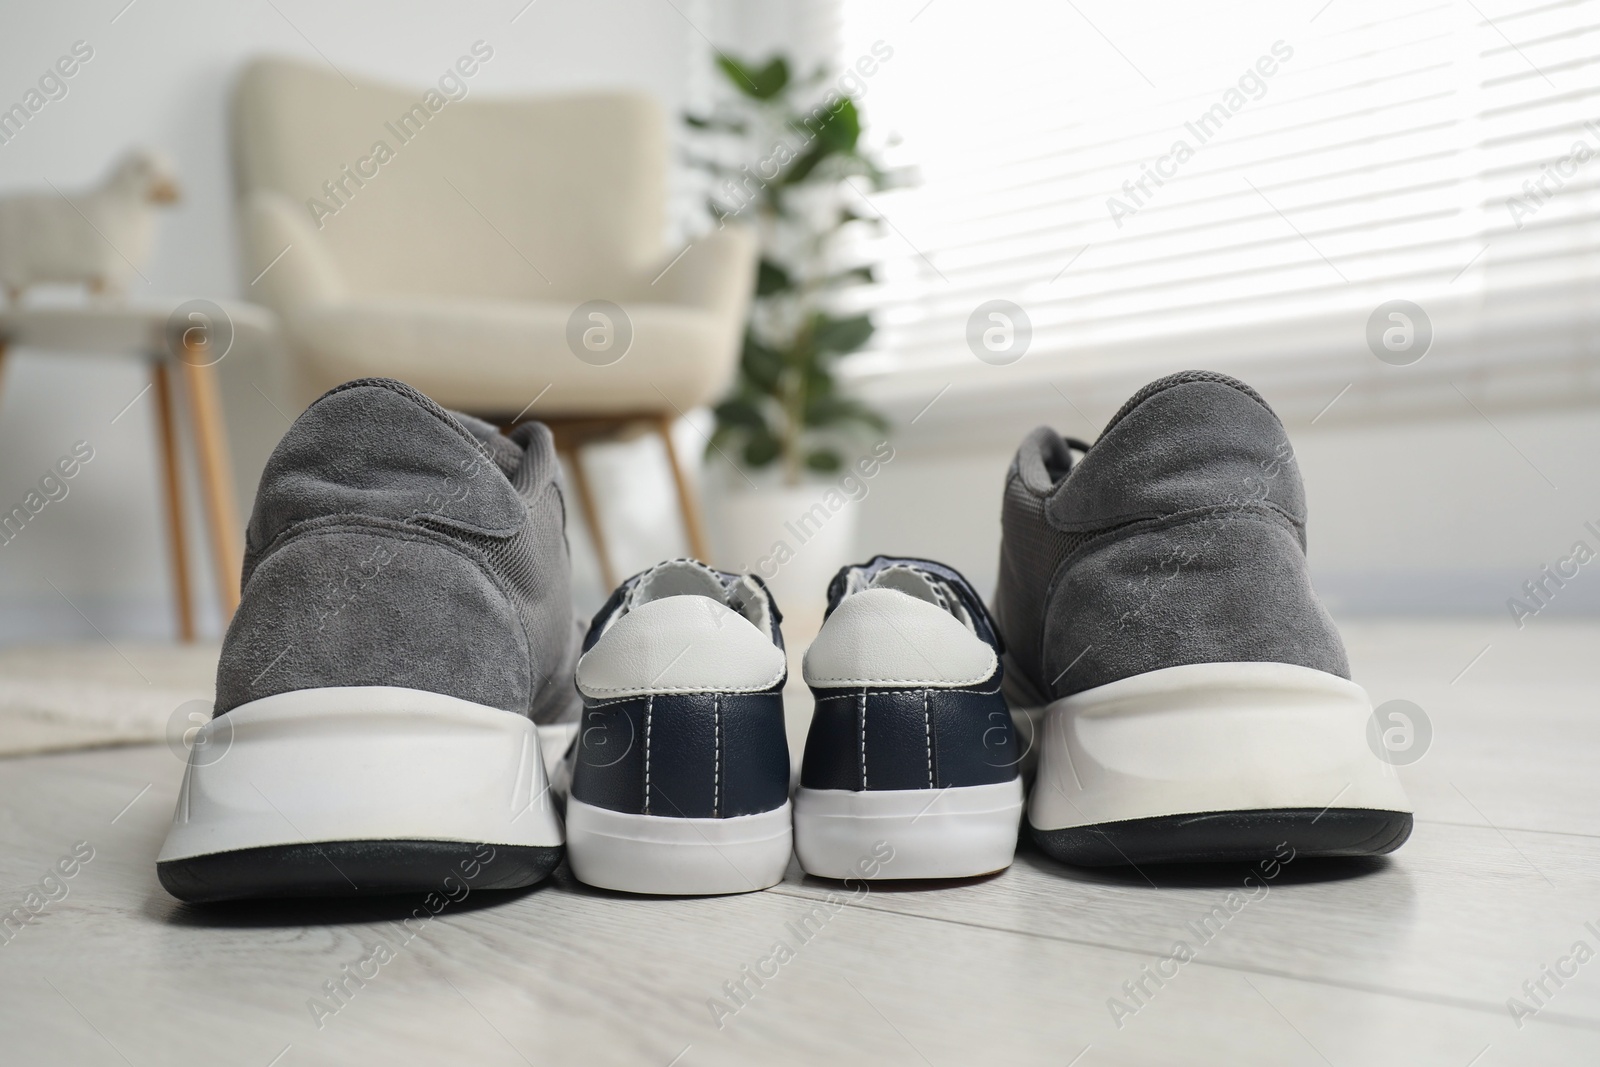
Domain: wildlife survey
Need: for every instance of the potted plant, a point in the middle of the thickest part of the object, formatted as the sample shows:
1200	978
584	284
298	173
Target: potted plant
792	448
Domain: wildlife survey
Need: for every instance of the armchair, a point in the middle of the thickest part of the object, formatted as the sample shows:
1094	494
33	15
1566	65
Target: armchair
453	257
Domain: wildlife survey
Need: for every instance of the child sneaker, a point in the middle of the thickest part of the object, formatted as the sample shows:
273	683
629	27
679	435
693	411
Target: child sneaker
405	619
680	769
1155	601
910	767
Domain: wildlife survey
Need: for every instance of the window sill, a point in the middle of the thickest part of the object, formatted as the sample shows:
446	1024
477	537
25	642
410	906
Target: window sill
1533	349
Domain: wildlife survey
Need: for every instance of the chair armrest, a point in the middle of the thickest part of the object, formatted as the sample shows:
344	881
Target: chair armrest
306	273
716	272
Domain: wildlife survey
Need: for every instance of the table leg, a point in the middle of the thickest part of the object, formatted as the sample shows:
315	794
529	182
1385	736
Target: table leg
216	479
177	534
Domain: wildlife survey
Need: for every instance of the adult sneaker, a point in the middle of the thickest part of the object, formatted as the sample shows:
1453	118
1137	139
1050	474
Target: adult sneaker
911	763
405	619
1155	601
680	769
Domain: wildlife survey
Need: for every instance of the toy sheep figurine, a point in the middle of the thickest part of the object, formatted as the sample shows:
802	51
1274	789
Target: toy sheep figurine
99	237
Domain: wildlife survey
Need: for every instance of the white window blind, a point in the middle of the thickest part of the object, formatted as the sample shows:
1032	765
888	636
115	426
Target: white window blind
1144	172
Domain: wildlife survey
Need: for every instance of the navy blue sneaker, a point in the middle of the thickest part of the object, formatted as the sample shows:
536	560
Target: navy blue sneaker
680	770
910	768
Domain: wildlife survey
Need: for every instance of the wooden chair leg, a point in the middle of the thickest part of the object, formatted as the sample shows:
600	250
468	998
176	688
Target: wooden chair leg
216	479
591	514
688	507
177	535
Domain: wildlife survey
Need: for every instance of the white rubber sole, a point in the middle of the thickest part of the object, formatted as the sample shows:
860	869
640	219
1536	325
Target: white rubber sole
362	763
933	833
1209	737
677	857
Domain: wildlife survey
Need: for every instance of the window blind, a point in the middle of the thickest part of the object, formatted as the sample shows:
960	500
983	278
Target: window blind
1128	173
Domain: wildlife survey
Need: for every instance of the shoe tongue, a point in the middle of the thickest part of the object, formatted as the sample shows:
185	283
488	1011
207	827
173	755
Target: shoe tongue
1044	459
1057	457
677	577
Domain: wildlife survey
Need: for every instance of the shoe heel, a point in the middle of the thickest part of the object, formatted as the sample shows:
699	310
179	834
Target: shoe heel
669	856
959	832
360	790
1214	762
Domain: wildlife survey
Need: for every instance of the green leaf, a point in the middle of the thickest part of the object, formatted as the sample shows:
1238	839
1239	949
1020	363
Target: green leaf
802	167
818	380
718	438
801	353
841	335
772	278
761	449
761	365
763	84
824	460
840	128
739	412
714	122
853	276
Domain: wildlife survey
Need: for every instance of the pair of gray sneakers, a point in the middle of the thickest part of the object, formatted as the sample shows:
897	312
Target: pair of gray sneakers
1189	697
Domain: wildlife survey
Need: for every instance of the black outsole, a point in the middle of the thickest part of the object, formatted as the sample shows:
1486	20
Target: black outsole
1228	836
356	868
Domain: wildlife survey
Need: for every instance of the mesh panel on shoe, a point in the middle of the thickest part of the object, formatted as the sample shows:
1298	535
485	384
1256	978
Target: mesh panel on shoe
1031	551
534	565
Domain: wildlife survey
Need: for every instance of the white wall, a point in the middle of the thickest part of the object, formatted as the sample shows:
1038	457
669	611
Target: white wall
161	75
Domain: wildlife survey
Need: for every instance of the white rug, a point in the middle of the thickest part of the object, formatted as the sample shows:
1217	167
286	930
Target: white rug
55	697
59	697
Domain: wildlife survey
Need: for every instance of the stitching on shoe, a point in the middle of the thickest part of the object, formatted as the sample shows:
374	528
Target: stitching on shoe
927	735
759	687
649	706
863	707
850	695
590	702
716	753
912	683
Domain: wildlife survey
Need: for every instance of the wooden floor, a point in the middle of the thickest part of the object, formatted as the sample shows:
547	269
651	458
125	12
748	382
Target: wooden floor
1408	960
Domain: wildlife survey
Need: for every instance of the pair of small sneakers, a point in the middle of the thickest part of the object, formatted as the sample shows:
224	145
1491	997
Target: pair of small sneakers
405	632
680	772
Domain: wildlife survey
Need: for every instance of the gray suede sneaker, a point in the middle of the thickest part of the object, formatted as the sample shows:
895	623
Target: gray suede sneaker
1155	603
405	620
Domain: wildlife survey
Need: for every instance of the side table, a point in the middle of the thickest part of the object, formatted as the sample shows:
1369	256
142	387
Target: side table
181	343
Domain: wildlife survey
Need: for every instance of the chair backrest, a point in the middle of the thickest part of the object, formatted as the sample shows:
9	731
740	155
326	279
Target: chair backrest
414	193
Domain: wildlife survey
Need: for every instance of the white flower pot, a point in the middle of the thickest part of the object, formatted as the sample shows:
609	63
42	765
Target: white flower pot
795	538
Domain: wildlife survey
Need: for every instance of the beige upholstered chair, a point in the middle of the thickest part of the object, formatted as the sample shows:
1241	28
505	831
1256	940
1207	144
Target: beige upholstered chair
453	256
